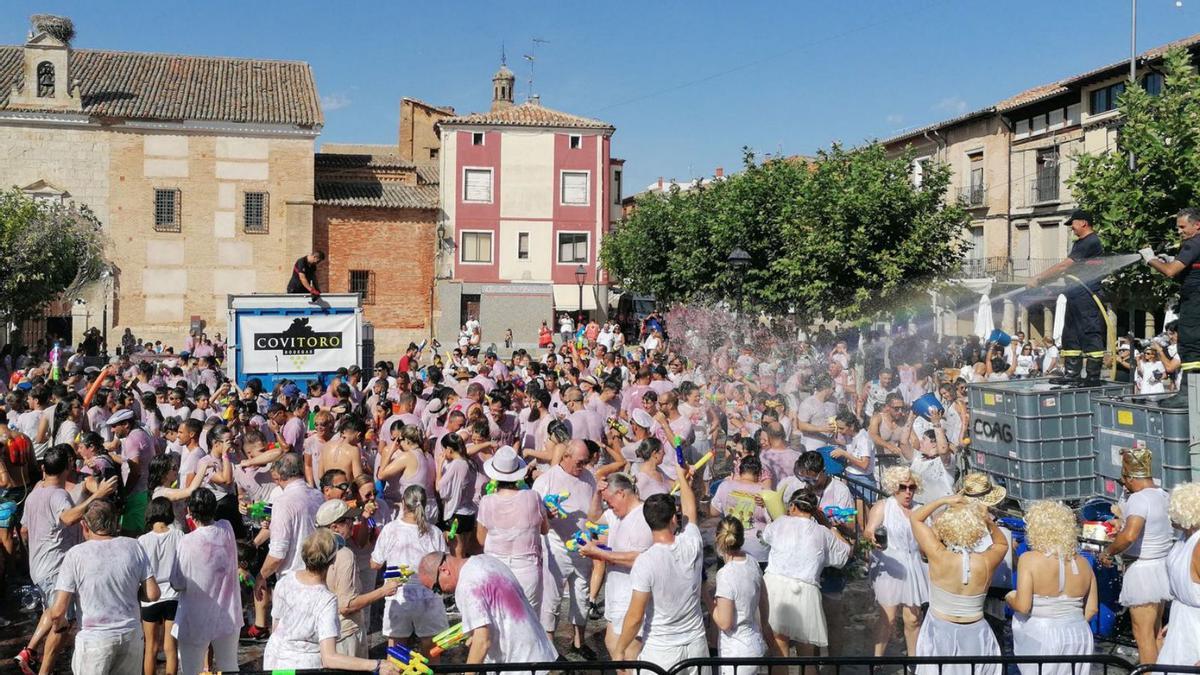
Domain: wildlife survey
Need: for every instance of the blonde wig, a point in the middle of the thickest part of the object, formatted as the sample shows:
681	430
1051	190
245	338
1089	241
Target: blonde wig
1184	507
1051	528
894	476
960	526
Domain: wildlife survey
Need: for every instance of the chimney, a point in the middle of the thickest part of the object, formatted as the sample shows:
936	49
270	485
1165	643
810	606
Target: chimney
720	172
660	183
535	99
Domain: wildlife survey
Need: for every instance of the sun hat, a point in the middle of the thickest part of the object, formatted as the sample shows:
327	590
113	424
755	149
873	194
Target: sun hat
642	418
505	466
979	487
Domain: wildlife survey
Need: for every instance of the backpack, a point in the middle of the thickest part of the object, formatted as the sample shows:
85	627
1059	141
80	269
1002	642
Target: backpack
20	450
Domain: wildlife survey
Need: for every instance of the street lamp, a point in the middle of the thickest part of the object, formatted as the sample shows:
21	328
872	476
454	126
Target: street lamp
580	276
739	260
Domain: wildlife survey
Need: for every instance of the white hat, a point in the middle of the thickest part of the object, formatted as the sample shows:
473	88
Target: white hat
120	416
590	379
334	510
505	466
642	418
435	406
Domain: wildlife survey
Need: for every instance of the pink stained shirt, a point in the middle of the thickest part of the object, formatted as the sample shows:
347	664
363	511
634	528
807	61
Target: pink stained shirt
206	576
514	523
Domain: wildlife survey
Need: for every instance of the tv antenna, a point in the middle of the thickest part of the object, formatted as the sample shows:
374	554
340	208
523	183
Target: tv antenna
531	57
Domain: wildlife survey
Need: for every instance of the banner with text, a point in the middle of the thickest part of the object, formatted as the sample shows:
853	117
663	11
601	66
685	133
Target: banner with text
316	343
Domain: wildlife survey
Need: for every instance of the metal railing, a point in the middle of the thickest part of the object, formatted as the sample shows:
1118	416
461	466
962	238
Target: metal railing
1098	664
1044	188
973	195
976	268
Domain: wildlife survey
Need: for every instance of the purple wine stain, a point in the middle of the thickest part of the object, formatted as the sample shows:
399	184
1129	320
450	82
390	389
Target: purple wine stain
501	593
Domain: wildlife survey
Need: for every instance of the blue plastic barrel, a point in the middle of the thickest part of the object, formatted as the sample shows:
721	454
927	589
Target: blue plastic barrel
833	467
1108	588
1000	337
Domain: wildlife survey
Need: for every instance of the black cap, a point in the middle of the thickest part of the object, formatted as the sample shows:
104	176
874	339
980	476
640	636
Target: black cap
1079	214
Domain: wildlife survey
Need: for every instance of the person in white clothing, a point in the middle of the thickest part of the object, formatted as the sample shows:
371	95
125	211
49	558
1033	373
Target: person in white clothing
899	578
415	610
210	598
501	622
1056	592
110	574
293	518
803	543
667	578
1182	644
1146	537
739	606
158	618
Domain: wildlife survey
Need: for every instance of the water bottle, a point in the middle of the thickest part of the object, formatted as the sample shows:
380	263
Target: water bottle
29	599
881	538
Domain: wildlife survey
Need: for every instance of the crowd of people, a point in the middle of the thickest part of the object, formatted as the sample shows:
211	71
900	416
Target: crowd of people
160	508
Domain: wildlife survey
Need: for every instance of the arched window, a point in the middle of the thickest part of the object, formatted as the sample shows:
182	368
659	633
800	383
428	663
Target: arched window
45	80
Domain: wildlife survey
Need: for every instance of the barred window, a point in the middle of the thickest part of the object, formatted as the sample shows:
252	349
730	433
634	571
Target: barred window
363	283
254	212
166	210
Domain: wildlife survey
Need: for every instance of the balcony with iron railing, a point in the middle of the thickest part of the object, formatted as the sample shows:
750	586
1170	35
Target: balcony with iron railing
973	196
1044	189
1004	269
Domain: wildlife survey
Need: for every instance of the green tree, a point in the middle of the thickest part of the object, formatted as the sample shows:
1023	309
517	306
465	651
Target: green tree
1135	208
50	250
843	236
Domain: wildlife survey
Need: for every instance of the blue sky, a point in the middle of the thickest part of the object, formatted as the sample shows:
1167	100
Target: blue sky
686	84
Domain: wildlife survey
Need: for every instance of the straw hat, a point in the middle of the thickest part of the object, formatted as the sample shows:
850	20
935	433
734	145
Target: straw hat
979	487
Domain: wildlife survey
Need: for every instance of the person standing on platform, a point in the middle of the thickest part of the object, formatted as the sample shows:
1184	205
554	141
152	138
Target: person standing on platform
1186	268
304	275
1083	331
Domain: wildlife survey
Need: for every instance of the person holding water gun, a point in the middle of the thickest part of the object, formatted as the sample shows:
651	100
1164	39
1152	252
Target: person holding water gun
511	521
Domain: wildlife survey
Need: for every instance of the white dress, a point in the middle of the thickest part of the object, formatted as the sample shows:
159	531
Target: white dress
1055	625
898	575
939	637
1182	646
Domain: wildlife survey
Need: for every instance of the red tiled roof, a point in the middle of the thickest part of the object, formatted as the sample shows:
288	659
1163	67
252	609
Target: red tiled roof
528	115
135	85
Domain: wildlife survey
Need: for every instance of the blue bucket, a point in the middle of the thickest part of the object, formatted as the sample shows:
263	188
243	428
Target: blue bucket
1108	588
833	467
1000	337
1096	509
927	403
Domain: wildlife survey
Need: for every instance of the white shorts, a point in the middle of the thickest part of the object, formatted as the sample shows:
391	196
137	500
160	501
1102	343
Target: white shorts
666	657
103	654
426	618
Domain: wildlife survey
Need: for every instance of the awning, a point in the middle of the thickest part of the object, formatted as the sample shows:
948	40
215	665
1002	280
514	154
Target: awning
566	298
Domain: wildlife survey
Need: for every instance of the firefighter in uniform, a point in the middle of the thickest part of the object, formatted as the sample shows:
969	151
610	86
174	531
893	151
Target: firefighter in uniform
1084	327
1186	268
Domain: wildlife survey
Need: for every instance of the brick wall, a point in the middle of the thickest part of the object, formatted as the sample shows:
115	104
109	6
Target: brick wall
397	247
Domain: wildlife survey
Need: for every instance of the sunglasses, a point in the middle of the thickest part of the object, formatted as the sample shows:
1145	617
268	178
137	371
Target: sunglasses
906	487
340	486
437	579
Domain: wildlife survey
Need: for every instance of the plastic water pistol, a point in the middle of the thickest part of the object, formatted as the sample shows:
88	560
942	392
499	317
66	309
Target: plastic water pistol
259	511
704	459
407	661
590	532
554	502
678	443
401	572
448	639
839	514
453	530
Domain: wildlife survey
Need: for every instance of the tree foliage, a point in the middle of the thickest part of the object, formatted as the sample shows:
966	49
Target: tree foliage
49	250
843	236
1135	207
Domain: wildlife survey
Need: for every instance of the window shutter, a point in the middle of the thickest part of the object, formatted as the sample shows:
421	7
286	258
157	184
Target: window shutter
479	186
574	188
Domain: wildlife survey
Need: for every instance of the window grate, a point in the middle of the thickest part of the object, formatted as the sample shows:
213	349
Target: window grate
254	212
363	283
166	210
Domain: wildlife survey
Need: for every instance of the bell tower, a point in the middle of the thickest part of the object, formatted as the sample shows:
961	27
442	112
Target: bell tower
46	75
503	83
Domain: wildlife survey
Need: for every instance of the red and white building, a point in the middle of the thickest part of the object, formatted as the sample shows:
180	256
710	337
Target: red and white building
527	195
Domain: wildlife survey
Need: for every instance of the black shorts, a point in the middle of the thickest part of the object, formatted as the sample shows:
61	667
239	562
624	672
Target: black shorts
160	611
466	523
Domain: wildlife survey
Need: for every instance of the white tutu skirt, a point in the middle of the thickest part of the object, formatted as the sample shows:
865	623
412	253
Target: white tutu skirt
899	578
1182	646
1145	582
795	609
946	638
1045	636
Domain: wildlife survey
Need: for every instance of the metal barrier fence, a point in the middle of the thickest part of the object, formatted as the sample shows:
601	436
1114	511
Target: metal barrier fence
1163	668
835	665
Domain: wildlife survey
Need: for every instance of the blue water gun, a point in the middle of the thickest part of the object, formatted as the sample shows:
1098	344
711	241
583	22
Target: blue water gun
407	661
555	503
401	572
677	441
581	539
840	514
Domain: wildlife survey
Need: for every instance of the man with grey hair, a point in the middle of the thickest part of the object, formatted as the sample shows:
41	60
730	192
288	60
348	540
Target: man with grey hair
293	518
1186	268
110	574
628	536
564	567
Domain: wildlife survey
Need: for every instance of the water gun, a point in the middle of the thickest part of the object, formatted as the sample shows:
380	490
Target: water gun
493	485
677	442
407	661
595	529
448	639
839	514
227	413
259	511
581	539
245	579
704	459
453	530
554	502
401	572
55	355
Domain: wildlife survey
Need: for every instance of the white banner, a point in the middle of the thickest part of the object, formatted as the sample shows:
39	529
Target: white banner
315	343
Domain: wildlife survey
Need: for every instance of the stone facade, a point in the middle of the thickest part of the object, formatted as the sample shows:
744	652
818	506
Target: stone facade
419	140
